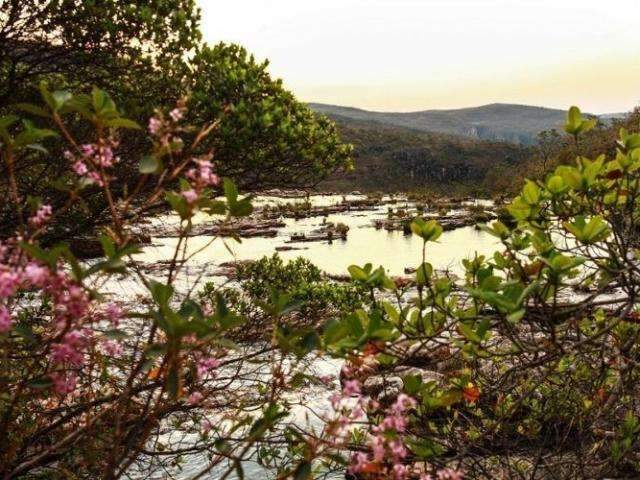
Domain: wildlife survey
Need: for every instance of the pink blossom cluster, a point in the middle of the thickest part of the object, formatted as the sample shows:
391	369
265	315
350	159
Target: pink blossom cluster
92	160
386	443
64	382
13	278
157	124
386	455
42	216
69	340
113	313
112	348
70	348
205	365
444	474
200	177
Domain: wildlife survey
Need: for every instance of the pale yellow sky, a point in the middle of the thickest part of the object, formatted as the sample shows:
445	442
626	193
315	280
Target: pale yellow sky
408	55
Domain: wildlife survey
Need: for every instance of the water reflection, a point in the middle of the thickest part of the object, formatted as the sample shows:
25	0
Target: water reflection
394	250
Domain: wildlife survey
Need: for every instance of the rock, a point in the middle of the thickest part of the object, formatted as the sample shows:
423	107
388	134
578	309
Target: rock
386	387
286	248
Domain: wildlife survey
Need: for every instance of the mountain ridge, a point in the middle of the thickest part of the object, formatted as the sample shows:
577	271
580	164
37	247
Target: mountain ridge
509	122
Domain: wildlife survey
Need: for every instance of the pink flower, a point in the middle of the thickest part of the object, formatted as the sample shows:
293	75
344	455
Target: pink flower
206	426
398	450
351	388
95	177
176	114
403	402
9	283
203	176
195	398
80	168
112	348
43	214
377	447
400	471
6	322
64	384
190	196
449	474
335	400
36	274
73	302
105	157
392	422
358	462
205	365
70	349
154	125
114	313
357	412
88	149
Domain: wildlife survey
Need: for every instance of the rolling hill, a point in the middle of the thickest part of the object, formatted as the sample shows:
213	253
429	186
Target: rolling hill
391	158
498	122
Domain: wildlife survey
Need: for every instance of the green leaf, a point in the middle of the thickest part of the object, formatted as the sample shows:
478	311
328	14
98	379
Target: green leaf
41	383
33	109
122	123
531	193
241	208
102	103
357	273
424	273
149	164
303	471
160	292
516	316
230	190
468	332
429	231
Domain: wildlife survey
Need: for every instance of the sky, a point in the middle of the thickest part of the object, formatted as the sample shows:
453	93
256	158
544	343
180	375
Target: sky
408	55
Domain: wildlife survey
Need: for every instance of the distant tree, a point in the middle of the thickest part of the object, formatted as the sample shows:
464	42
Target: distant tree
549	143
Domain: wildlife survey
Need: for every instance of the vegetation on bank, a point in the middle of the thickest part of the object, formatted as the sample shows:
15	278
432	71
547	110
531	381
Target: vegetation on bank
431	164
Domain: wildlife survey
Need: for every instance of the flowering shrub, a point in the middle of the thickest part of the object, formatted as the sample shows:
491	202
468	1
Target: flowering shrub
527	368
90	382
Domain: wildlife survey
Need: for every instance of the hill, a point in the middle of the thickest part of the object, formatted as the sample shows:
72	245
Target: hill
390	158
496	122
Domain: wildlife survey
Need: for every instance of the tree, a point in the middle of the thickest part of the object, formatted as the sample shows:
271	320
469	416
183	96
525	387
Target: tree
102	42
266	137
89	385
139	51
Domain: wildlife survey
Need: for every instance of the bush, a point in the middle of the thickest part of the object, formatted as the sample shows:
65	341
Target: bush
91	386
317	298
521	376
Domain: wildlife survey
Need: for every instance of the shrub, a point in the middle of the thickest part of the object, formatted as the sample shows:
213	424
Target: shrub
520	376
90	385
316	297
